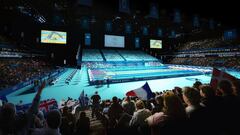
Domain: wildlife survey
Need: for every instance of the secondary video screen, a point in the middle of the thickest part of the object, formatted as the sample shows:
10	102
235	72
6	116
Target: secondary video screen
55	37
155	44
114	41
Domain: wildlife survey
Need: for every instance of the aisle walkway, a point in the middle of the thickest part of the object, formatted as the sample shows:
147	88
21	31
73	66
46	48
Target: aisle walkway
96	127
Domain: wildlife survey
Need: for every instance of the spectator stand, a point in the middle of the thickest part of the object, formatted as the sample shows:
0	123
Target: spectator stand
19	88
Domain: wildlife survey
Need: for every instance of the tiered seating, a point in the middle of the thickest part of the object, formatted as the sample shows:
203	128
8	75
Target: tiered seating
136	55
14	71
229	62
208	52
8	50
112	55
91	55
203	44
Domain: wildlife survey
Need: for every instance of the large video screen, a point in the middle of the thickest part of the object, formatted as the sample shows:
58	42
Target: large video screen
55	37
155	44
114	41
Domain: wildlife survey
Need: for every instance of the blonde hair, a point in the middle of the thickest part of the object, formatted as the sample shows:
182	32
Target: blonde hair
173	106
140	104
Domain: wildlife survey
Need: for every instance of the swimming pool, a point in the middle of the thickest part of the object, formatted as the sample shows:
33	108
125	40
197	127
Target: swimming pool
122	74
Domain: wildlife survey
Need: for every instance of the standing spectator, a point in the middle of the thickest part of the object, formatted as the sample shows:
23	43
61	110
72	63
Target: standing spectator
159	104
114	112
95	104
10	121
86	100
81	99
20	106
108	82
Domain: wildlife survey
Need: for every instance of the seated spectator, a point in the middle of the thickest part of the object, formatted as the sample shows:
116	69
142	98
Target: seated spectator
128	105
191	97
178	92
83	125
21	123
172	119
230	108
7	118
105	105
196	113
138	119
236	88
150	104
213	106
53	123
197	84
140	115
122	127
209	98
39	120
159	104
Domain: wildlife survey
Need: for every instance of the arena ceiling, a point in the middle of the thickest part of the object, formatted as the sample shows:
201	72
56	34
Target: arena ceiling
221	10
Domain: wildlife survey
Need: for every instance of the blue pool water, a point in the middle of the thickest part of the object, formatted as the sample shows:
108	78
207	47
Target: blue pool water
141	72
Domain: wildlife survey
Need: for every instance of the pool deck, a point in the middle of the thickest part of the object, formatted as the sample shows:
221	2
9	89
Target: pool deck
80	82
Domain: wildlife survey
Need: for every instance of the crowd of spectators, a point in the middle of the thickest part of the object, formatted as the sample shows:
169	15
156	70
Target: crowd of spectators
208	52
199	109
227	62
14	71
202	44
